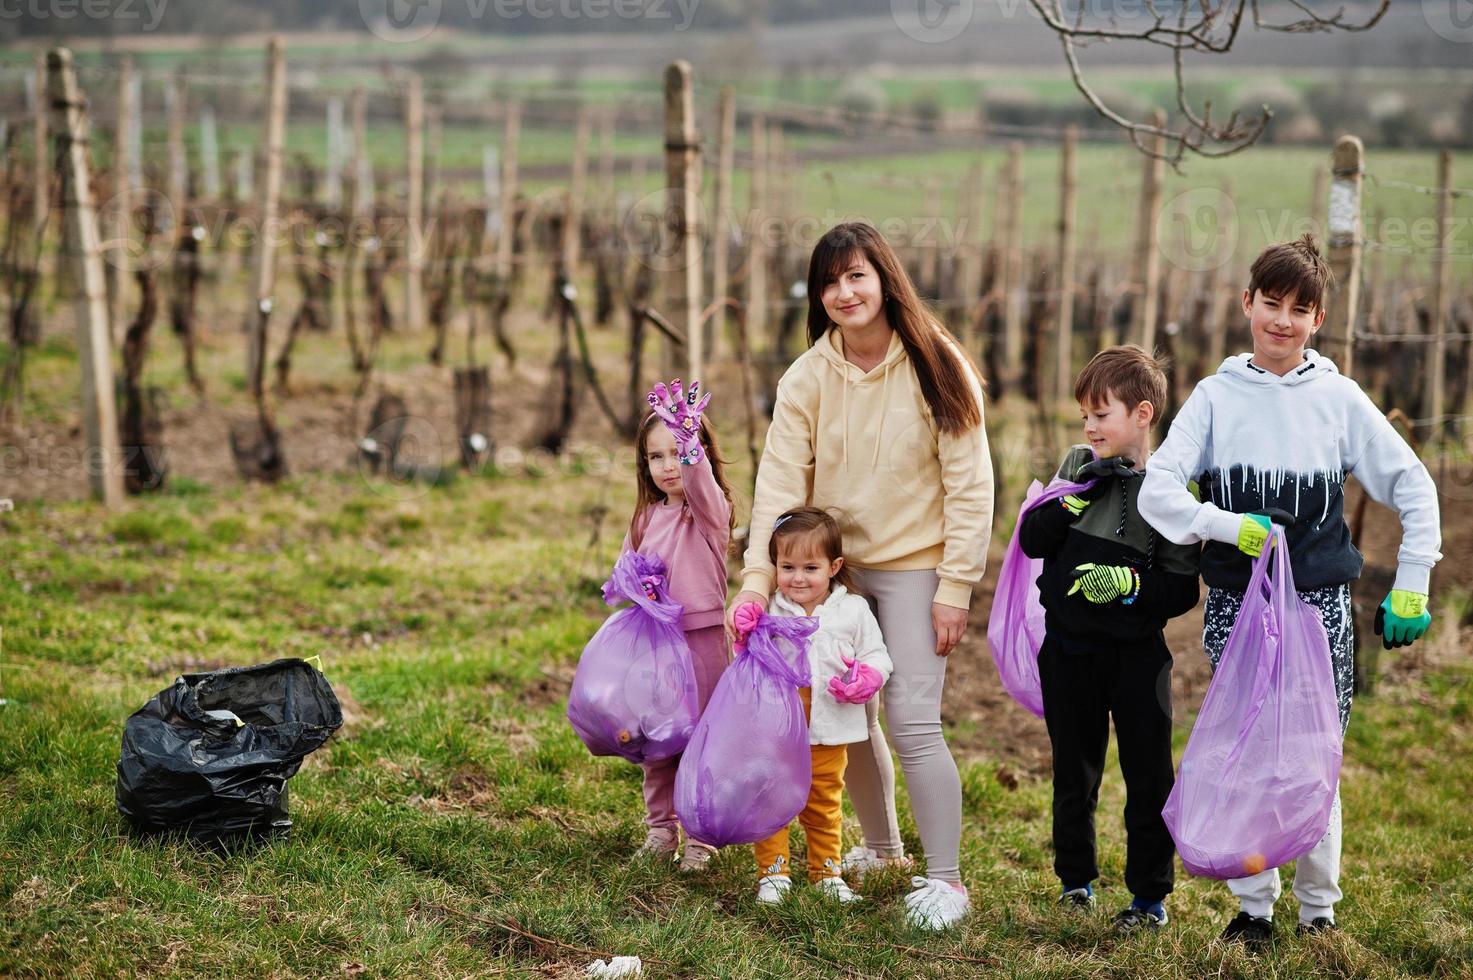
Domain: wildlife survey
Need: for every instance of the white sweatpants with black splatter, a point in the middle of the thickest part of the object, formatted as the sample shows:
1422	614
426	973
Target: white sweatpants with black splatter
1316	874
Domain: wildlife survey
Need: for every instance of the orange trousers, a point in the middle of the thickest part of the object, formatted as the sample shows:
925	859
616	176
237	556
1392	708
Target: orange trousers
821	819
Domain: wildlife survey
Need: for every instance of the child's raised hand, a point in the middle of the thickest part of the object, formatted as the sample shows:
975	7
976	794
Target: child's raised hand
681	412
744	619
858	685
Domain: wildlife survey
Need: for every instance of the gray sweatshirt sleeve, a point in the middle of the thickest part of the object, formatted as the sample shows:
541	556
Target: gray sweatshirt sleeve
1392	474
1165	502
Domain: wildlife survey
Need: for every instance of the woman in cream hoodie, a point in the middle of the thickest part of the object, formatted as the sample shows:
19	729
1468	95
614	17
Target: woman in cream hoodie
881	421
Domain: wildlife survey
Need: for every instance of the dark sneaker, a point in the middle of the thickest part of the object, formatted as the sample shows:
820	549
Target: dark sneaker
1077	898
1131	918
1250	930
1317	926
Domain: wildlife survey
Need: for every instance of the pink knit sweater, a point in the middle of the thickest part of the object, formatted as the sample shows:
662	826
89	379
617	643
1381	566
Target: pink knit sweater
692	539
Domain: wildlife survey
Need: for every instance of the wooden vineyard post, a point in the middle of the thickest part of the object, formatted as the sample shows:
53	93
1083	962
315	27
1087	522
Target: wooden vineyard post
209	153
178	166
414	205
1218	303
506	236
725	159
756	311
606	160
265	460
682	183
1148	243
1441	296
122	209
969	257
1343	299
1011	281
103	460
573	198
362	187
931	246
41	200
1063	377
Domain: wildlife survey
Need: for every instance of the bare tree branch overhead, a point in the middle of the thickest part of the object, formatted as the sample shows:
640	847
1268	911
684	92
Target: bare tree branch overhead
1182	27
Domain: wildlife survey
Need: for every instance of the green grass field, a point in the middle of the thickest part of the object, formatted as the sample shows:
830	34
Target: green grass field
455	826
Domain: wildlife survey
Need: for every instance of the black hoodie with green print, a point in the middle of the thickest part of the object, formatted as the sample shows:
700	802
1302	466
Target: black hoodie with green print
1110	531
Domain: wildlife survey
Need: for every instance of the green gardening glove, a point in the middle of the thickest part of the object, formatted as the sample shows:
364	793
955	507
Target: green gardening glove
1256	529
1401	618
1253	534
1106	583
1073	504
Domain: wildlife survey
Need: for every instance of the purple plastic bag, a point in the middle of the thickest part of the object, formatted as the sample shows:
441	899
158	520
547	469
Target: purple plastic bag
634	693
1015	625
746	773
1257	780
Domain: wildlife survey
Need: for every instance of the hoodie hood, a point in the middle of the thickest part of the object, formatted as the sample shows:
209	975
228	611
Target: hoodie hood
1315	366
831	347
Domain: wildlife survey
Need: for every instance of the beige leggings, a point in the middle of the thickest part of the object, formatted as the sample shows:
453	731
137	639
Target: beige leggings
902	603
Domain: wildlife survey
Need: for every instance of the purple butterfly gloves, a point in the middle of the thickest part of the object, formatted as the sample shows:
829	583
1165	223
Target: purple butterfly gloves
681	413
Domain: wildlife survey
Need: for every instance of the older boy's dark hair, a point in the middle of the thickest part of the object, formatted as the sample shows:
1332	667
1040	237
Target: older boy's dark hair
1292	269
1128	373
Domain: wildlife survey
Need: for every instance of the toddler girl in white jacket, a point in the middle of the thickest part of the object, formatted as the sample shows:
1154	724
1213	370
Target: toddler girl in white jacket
849	665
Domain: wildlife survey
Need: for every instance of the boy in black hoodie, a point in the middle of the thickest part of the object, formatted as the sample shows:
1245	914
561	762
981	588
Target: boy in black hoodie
1109	585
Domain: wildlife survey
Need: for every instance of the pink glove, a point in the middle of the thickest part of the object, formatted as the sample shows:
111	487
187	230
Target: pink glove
857	686
745	620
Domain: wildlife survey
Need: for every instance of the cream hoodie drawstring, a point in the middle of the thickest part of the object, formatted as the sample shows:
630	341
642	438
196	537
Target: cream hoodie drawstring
844	410
884	410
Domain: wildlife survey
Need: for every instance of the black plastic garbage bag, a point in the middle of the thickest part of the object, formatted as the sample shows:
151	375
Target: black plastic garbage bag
211	755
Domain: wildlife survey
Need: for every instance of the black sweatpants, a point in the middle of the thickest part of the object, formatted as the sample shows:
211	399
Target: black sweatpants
1082	689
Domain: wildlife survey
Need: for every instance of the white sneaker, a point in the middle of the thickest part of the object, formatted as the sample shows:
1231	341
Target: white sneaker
861	859
935	904
837	889
772	889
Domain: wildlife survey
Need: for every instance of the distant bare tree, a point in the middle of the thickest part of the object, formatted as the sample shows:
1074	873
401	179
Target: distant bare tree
1182	26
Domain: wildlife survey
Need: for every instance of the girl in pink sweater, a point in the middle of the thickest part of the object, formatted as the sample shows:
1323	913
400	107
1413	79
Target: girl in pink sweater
683	515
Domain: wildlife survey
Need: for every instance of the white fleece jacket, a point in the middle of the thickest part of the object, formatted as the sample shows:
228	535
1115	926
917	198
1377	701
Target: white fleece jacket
846	628
1254	440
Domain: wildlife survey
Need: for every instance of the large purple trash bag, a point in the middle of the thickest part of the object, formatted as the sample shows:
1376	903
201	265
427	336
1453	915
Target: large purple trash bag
1257	781
1015	624
634	693
746	773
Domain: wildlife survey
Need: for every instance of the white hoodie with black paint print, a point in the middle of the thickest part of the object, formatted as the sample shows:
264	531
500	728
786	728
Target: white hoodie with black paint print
1254	440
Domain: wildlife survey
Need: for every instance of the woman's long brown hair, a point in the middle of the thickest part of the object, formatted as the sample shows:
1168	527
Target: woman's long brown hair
648	495
942	372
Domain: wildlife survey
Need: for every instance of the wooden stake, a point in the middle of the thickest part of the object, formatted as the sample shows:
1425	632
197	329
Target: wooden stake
362	188
573	197
606	160
1148	245
122	264
41	201
1012	283
756	317
725	159
1343	300
272	143
1218	302
683	183
506	240
1063	376
178	166
414	205
209	152
103	460
1441	294
969	255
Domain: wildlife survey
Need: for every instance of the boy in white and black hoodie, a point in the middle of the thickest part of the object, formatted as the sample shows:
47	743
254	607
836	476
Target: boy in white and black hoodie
1272	436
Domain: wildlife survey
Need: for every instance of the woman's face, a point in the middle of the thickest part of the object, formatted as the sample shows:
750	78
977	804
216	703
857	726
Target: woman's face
856	298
